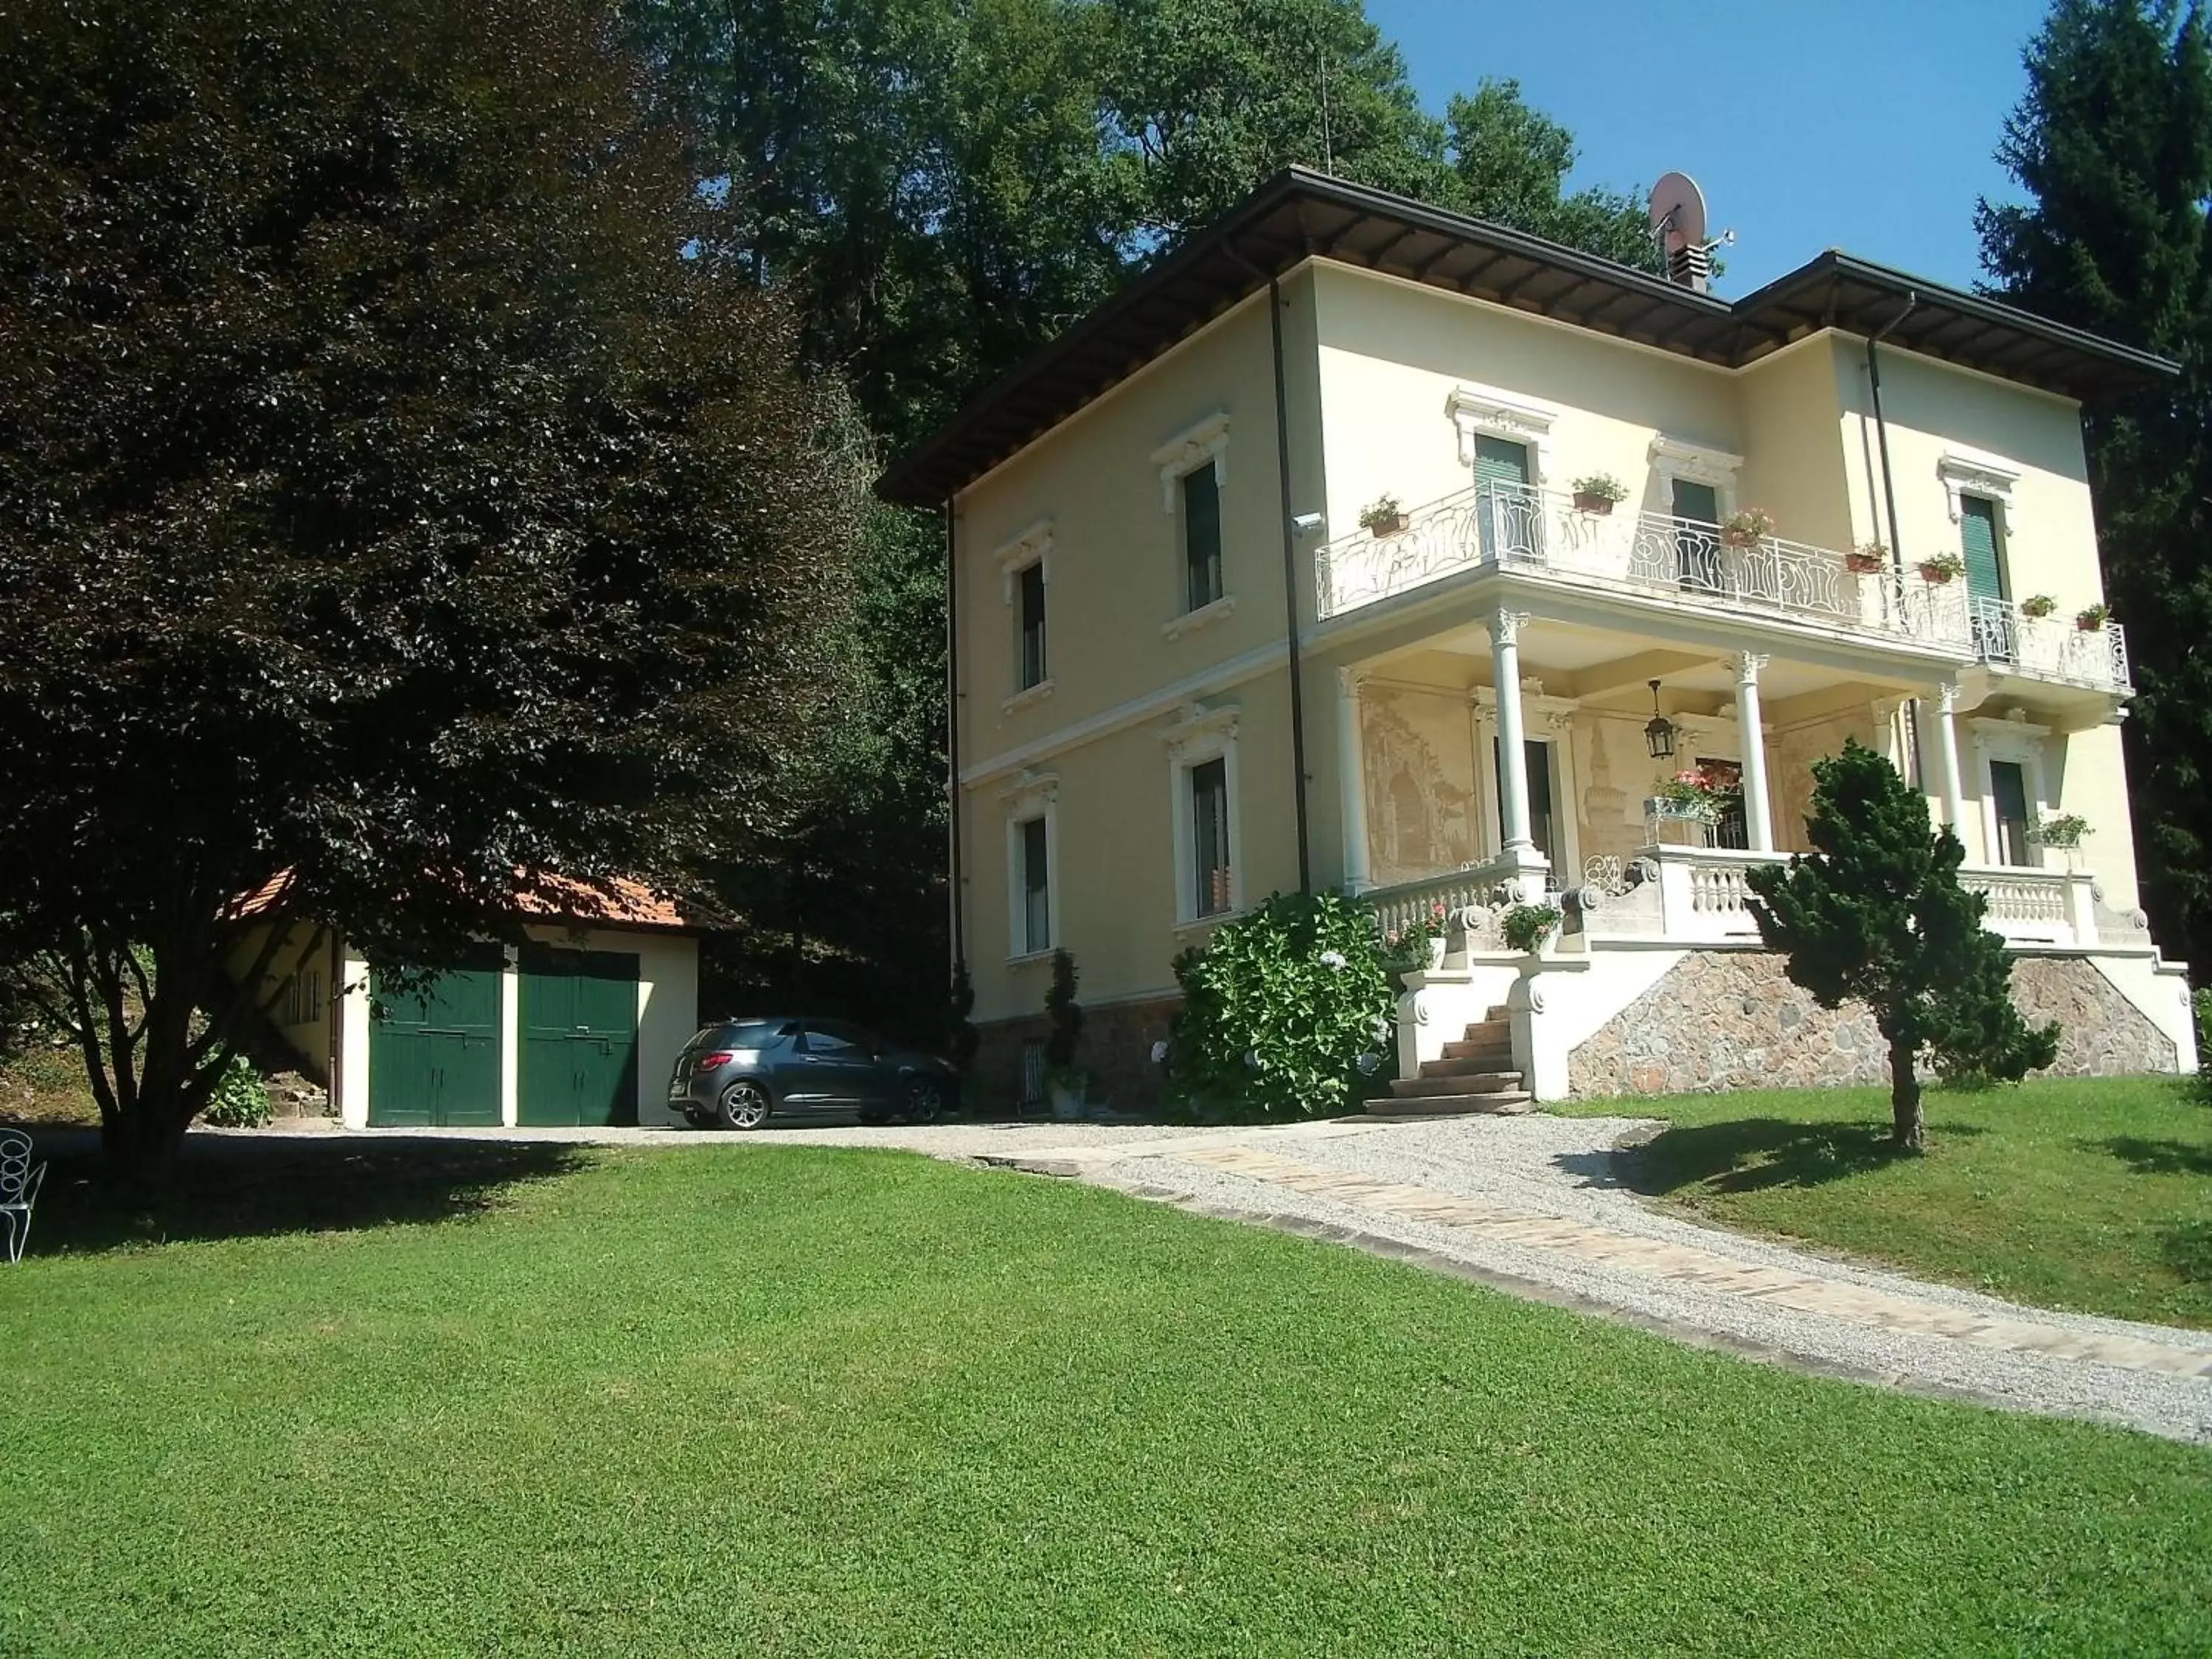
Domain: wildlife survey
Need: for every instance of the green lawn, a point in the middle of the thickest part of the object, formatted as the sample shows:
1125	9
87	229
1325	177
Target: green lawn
798	1401
2092	1195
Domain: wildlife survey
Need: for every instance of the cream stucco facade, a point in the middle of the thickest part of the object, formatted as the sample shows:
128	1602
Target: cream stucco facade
1503	607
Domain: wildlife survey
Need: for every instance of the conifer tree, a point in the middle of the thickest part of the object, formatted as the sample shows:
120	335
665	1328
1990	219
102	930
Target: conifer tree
1876	914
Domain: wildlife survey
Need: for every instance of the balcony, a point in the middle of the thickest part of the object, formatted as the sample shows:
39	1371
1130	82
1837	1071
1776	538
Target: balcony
2007	640
1680	561
1692	896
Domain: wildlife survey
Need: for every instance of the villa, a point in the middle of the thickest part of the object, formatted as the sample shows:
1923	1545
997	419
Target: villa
1362	545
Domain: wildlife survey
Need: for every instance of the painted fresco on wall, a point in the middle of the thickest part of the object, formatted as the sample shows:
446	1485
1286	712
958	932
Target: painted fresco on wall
1418	747
1618	777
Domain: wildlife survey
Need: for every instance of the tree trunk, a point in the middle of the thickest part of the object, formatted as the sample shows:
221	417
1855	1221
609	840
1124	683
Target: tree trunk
1908	1129
143	1143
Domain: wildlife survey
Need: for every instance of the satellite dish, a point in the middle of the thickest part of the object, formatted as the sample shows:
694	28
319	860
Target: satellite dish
1678	210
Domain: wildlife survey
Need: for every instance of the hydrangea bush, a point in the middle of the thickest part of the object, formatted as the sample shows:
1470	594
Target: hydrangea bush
1286	1012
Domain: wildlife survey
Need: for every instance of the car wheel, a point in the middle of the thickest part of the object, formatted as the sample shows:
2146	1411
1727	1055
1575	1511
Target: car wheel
743	1106
925	1100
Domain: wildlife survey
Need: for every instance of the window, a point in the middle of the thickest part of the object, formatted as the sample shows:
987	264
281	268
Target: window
835	1042
1031	583
2008	799
1201	538
1507	522
303	998
1209	834
1033	930
1696	536
1202	787
1543	797
1031	803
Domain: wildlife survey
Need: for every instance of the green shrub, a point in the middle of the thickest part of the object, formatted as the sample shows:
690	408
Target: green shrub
1286	1013
2202	1003
1066	1016
241	1100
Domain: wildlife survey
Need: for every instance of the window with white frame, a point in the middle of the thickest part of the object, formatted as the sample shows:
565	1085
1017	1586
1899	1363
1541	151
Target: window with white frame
1697	482
1193	466
1025	567
1030	661
2010	753
1032	865
1202	772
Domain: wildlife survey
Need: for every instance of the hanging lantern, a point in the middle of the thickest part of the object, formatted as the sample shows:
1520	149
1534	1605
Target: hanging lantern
1658	735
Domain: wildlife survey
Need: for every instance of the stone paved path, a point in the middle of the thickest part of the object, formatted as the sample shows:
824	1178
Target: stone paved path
1806	1291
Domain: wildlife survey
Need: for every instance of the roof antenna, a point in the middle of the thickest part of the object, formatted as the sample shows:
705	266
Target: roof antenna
1678	226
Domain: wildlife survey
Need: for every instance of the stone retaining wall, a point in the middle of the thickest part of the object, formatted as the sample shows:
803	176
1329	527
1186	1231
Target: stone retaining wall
1117	1050
1731	1020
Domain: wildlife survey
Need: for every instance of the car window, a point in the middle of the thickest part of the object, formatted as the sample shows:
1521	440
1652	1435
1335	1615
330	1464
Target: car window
745	1033
839	1042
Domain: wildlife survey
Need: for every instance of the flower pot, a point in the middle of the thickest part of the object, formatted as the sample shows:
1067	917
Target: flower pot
1742	540
1396	525
2038	614
1067	1106
1437	946
2088	626
1862	564
1936	574
1599	504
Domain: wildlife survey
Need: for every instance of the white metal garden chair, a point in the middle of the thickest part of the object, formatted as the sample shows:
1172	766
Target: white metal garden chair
19	1187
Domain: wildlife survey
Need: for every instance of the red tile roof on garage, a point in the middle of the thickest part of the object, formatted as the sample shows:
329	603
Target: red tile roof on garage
619	901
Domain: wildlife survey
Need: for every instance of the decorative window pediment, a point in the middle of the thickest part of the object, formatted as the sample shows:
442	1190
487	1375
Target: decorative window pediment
2009	739
1190	449
1480	411
1966	473
1198	731
1029	792
1032	546
1677	458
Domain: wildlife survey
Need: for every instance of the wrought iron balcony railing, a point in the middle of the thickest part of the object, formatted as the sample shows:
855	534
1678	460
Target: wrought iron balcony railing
1654	555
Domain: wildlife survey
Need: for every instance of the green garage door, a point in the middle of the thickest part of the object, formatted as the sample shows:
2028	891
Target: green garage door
579	1037
434	1055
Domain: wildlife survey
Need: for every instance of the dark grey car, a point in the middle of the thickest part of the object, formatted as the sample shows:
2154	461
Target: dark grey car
740	1072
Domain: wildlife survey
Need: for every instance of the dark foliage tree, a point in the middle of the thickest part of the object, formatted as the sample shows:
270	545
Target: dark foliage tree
390	521
2112	144
1876	914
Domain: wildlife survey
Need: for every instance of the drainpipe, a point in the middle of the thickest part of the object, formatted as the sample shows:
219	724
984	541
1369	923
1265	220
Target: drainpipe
1881	427
1889	499
1290	569
952	730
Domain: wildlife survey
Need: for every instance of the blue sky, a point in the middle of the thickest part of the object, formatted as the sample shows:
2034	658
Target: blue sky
1867	126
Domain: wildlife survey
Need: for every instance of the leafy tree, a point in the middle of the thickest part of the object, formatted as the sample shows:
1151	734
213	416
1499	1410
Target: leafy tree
1511	164
1876	914
2112	144
391	521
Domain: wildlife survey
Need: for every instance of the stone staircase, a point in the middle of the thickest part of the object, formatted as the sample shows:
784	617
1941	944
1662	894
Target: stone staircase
1476	1074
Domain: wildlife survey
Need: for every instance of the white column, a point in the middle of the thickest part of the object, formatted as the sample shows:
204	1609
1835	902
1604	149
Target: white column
1352	781
1947	759
1758	818
1512	750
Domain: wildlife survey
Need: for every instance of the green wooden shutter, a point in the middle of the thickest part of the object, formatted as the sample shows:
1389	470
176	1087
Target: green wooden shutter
1699	503
1499	461
1977	528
